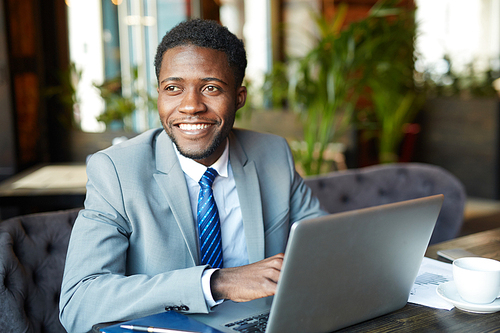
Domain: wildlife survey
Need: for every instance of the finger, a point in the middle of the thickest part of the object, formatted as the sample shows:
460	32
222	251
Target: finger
273	276
276	260
273	271
279	255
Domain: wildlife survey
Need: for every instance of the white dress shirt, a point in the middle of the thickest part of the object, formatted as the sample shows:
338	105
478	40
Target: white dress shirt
234	248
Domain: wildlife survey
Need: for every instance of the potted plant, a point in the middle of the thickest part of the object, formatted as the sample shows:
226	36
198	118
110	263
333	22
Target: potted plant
66	93
370	58
320	87
460	125
388	39
118	107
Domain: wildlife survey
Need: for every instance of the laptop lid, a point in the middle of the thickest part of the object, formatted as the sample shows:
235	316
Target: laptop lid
344	268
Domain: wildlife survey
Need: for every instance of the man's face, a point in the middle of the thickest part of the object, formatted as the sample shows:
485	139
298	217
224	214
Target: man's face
197	100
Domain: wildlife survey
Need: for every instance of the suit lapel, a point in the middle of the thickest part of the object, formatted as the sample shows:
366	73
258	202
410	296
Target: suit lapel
170	179
247	185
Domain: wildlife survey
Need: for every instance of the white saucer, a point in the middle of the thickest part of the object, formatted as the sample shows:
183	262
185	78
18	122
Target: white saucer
449	292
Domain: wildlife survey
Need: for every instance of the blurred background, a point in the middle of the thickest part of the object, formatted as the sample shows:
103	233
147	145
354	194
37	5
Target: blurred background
349	83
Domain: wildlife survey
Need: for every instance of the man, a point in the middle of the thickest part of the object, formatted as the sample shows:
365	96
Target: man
136	248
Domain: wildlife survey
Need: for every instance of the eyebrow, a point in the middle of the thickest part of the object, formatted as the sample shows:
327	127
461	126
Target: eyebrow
206	79
171	79
214	79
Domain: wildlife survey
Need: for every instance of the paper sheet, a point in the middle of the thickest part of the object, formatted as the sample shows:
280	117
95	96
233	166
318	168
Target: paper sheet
432	273
54	176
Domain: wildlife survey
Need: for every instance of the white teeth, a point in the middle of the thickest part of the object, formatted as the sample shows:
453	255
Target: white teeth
192	127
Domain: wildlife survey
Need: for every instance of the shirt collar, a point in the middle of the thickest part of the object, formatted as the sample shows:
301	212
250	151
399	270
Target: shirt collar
196	170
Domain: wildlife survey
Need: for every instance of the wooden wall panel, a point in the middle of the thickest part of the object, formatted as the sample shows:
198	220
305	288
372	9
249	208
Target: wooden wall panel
22	27
27	102
37	39
210	9
24	52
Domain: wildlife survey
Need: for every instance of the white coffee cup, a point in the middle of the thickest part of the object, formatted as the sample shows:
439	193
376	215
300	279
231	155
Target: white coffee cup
477	279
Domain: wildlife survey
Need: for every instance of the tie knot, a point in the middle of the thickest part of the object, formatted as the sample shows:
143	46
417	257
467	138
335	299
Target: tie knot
208	177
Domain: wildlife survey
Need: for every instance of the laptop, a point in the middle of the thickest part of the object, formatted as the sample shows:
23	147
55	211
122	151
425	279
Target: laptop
340	270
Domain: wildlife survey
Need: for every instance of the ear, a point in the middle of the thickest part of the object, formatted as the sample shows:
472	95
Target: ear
241	97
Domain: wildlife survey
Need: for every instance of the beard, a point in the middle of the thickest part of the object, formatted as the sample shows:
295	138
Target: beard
219	138
202	154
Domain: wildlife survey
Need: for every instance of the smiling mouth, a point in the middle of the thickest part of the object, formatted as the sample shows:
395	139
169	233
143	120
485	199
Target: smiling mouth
193	127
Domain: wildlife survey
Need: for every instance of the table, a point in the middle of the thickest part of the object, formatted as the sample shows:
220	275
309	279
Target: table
44	188
417	318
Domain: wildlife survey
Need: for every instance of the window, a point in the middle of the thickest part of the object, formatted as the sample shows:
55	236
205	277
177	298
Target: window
118	38
111	38
467	31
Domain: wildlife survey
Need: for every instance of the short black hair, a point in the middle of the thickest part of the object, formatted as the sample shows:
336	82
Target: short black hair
209	34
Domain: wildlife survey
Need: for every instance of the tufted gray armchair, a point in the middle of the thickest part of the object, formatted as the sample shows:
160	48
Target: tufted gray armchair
386	183
32	255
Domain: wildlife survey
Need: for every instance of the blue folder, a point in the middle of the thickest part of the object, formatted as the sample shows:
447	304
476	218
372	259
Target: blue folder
169	319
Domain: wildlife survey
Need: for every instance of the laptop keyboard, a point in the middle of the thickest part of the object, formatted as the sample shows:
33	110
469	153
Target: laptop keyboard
253	324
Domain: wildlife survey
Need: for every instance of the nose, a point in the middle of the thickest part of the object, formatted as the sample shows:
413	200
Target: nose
192	103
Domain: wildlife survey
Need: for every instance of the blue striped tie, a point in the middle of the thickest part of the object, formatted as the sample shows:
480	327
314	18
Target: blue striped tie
209	222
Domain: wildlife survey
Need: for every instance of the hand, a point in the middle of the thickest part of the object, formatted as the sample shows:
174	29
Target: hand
248	282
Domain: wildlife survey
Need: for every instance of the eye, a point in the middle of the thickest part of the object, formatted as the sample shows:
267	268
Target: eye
172	88
212	89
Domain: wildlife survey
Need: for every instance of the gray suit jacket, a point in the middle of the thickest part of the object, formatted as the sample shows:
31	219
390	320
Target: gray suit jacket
134	248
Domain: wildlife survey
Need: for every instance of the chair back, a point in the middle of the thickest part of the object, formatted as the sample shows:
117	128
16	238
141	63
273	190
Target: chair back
387	183
32	256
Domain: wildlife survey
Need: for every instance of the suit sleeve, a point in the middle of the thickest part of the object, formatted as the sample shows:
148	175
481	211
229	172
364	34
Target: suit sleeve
96	287
303	204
